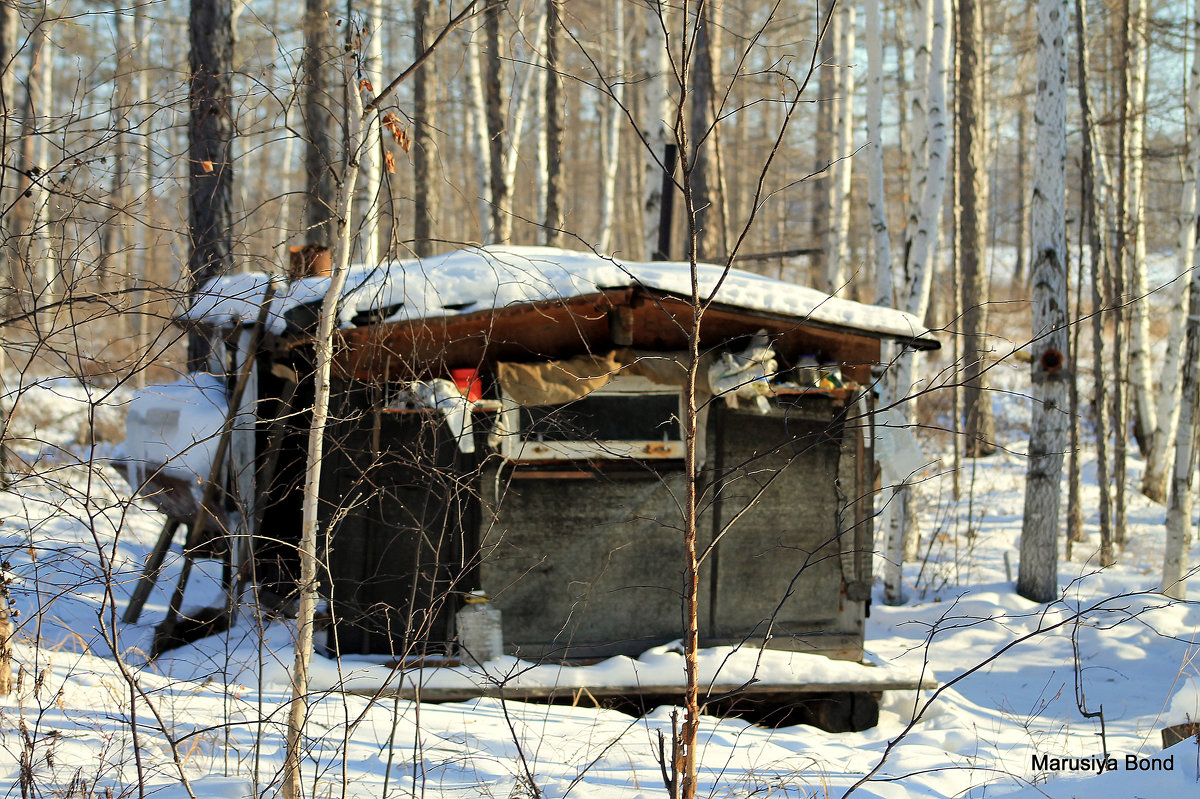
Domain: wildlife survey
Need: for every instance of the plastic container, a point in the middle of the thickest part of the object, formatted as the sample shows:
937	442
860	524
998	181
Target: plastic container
480	634
468	383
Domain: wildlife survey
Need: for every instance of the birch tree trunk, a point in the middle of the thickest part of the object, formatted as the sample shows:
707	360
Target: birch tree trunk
979	424
525	80
358	118
122	105
922	235
612	149
1119	275
323	346
210	146
1179	507
876	189
371	166
1140	378
1038	573
884	285
142	182
841	171
1154	480
480	145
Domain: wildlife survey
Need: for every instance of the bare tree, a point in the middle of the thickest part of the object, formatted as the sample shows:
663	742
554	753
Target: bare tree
318	109
501	215
837	249
210	150
979	428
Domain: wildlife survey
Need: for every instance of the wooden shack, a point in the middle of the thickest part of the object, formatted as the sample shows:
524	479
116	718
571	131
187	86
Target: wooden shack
508	420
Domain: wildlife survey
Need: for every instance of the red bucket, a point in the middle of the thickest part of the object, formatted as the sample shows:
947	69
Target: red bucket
468	382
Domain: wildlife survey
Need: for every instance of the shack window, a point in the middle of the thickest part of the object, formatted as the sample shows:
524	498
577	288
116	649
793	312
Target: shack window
628	418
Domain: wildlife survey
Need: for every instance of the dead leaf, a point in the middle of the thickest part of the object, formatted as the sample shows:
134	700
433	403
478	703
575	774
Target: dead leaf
207	166
389	162
364	85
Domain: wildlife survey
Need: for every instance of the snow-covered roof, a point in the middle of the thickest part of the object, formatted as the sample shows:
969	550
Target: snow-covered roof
479	279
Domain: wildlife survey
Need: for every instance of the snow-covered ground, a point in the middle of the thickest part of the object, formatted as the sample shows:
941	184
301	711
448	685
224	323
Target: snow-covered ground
1014	673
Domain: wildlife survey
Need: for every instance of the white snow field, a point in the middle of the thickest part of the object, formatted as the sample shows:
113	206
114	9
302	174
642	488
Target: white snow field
1006	722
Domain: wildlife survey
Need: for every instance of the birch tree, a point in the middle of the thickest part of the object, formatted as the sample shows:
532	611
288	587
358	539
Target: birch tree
841	171
370	209
481	148
1179	507
1155	478
1038	572
929	154
1140	378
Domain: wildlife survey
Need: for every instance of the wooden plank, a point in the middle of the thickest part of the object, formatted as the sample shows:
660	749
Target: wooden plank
150	574
722	690
561	327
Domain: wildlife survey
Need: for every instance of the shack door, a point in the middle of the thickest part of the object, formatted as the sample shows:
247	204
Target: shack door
397	496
